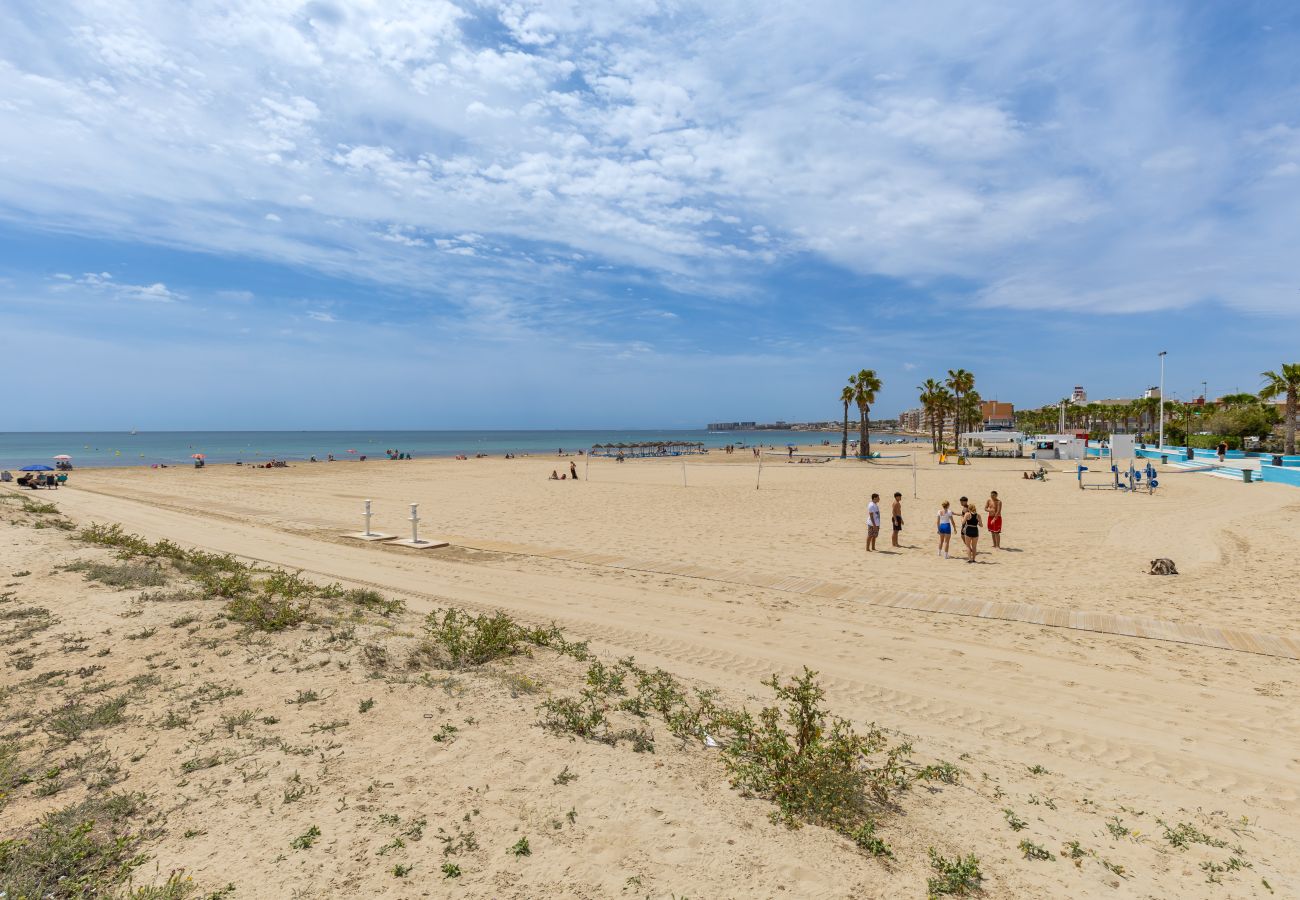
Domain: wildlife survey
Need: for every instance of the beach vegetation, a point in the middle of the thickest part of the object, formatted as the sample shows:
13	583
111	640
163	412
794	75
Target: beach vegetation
450	870
464	641
75	718
84	850
122	575
305	840
24	622
957	877
521	848
459	841
1016	823
1034	851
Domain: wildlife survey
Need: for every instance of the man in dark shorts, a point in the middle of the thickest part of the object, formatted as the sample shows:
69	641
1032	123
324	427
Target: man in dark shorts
896	516
994	509
873	522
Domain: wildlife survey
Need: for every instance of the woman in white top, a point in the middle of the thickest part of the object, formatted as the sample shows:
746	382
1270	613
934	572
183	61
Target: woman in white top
945	524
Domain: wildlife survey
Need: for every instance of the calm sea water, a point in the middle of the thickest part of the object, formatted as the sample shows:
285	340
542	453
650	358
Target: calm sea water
102	448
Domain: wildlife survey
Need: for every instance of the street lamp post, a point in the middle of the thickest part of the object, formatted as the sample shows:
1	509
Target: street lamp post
1161	443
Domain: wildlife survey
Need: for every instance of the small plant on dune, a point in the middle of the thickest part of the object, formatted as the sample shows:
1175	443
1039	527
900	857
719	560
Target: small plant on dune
521	848
1186	834
564	777
365	598
1117	828
450	870
1115	868
1034	851
305	840
178	886
83	850
267	612
367	705
74	719
460	842
814	766
466	640
401	871
954	877
1016	823
1038	770
123	575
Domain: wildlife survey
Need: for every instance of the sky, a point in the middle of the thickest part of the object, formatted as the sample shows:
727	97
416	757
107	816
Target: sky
568	213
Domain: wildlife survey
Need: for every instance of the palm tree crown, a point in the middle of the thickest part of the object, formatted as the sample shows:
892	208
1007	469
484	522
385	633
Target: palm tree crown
1284	383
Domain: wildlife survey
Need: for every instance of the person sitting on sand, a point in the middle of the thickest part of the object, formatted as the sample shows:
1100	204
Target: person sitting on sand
6	475
555	476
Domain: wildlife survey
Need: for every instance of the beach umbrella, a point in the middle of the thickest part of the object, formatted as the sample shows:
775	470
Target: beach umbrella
63	456
352	451
36	469
198	456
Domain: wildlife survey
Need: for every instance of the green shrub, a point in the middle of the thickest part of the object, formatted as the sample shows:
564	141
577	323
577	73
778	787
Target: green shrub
266	613
1212	441
466	640
81	851
122	575
814	766
959	877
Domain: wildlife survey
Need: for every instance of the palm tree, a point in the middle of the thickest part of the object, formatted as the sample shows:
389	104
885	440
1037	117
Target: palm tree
960	381
929	397
1285	383
969	410
1236	401
846	397
864	384
944	403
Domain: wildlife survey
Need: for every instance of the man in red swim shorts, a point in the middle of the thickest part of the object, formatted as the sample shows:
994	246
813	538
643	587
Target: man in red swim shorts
993	513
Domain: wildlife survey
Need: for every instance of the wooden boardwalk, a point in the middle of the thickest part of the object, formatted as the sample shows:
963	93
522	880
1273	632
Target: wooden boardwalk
1143	627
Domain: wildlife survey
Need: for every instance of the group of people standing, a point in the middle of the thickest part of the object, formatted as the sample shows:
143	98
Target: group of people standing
966	521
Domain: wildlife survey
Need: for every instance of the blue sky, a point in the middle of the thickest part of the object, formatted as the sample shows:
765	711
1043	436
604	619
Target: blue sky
550	213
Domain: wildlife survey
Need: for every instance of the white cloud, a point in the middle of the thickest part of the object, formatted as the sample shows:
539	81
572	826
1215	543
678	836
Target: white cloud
318	316
986	144
104	283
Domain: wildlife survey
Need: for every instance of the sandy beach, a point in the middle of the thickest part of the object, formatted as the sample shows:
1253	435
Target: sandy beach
723	576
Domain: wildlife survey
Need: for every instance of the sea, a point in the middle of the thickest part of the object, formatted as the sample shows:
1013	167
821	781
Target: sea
149	448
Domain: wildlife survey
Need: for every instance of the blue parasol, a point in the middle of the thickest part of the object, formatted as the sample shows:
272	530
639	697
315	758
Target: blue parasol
36	469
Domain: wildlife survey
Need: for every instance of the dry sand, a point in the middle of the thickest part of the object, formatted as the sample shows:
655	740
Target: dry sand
1136	728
